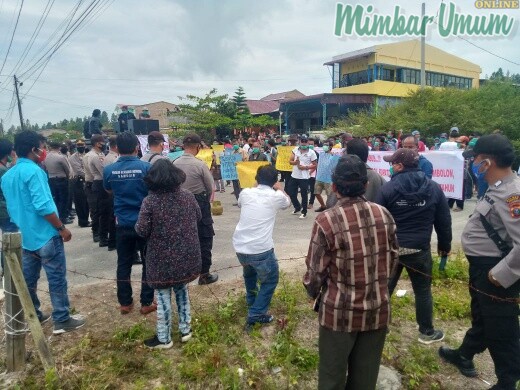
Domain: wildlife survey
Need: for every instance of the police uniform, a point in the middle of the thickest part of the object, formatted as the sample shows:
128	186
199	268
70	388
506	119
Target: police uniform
494	309
78	188
110	158
95	164
199	182
58	169
90	190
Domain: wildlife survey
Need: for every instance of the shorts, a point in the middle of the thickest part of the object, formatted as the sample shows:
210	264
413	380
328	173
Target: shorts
320	186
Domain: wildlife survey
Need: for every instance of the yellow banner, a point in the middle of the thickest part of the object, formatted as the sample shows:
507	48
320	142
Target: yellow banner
217	149
206	155
284	155
247	172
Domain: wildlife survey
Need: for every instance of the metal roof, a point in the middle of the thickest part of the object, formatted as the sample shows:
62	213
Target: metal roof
352	55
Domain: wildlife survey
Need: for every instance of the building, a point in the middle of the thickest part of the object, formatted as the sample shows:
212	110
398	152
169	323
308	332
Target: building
270	104
393	70
162	111
376	76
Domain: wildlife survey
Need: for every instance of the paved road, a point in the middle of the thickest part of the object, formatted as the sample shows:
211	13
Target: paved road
291	240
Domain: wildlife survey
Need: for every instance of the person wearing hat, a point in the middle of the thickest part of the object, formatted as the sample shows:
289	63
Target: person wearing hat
352	253
454	134
124	117
107	206
58	169
417	205
92	192
145	114
155	147
78	184
199	182
491	242
420	145
303	160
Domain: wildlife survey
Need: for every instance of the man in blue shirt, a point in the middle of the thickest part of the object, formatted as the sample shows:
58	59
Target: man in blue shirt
32	209
124	179
425	165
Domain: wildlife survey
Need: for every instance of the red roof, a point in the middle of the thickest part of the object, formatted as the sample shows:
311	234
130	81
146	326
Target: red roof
283	95
262	107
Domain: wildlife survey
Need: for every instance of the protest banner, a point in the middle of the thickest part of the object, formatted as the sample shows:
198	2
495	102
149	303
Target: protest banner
326	165
247	172
218	149
228	168
448	169
143	144
205	155
284	155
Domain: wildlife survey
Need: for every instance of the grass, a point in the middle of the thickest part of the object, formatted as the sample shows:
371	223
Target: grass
221	355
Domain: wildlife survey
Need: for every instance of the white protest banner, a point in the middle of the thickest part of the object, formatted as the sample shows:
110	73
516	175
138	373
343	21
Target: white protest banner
143	143
448	169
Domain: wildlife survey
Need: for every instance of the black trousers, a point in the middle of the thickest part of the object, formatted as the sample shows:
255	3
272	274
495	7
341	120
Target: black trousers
494	323
312	182
105	211
71	196
60	193
128	242
236	188
206	232
460	203
92	199
80	200
303	185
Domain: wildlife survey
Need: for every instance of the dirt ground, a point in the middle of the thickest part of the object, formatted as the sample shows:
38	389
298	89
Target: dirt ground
98	303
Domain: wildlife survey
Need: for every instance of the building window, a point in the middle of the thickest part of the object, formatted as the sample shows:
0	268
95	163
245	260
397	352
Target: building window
335	75
387	74
355	78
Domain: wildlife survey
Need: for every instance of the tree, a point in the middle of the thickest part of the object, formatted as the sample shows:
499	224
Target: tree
113	118
239	99
104	118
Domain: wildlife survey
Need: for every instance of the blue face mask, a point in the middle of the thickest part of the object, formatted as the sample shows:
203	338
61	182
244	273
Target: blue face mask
476	171
391	171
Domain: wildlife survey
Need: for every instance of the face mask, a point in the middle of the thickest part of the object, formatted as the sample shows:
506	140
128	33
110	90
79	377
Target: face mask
9	159
256	150
392	171
304	147
64	150
236	147
311	147
283	143
376	143
42	156
325	148
81	149
476	170
442	140
178	149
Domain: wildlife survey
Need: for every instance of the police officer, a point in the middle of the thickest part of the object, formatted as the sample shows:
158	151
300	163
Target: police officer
92	195
78	182
111	158
199	181
95	165
491	242
58	169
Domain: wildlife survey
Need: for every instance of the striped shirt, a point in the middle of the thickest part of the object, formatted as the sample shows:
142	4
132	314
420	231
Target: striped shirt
352	253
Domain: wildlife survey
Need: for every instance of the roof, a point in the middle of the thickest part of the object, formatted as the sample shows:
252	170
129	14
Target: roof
283	95
262	107
352	55
408	52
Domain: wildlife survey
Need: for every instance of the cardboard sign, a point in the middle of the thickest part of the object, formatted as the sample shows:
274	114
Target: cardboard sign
205	155
247	172
218	149
284	155
228	168
326	164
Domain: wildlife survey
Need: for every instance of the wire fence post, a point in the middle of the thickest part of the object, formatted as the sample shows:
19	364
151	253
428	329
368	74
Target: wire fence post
13	254
14	316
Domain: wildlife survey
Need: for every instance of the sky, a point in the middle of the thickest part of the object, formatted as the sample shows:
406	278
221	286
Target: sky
137	52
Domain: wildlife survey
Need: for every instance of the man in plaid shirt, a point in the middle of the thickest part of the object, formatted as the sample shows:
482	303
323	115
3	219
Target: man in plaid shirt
352	253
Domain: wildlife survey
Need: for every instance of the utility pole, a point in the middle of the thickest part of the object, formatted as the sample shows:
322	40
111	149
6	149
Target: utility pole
16	82
423	40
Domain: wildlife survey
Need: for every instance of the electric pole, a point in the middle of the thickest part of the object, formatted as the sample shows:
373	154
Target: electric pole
18	99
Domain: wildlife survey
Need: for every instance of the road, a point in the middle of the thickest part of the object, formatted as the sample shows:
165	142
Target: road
291	240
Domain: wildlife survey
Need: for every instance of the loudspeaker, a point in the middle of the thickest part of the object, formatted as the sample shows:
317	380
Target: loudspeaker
143	126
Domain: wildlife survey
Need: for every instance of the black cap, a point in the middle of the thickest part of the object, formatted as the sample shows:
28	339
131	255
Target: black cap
155	136
408	157
493	145
191	139
351	168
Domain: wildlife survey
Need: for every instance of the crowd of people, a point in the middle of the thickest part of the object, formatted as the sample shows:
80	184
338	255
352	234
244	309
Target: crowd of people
154	209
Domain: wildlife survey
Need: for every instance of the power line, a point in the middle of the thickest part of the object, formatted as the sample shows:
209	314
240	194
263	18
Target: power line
12	37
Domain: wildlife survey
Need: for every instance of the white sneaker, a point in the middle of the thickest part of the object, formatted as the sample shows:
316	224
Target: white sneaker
303	216
185	336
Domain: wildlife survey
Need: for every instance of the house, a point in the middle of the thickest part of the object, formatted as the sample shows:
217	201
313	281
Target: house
376	76
160	110
270	104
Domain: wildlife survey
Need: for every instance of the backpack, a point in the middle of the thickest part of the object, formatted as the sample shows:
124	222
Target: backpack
86	129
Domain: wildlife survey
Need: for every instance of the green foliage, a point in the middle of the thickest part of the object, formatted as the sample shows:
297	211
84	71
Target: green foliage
52	381
496	105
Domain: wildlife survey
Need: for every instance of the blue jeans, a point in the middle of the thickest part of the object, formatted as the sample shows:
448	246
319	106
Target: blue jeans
260	268
421	285
164	311
52	257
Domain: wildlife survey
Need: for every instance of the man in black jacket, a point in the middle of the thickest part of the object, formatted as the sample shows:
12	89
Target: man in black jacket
417	205
123	119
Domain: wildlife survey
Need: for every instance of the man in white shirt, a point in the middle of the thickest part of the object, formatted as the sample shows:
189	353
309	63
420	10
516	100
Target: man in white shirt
253	242
304	161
